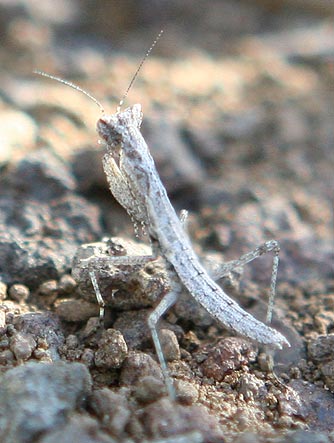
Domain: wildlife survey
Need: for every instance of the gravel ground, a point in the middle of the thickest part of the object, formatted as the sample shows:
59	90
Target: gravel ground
238	114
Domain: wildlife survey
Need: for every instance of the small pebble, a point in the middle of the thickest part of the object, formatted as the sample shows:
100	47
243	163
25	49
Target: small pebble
48	291
187	393
148	389
49	287
251	387
112	350
229	354
22	345
77	310
93	325
170	345
138	365
19	293
67	284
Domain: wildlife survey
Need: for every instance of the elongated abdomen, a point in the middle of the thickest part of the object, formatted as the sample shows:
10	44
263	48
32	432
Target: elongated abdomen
212	297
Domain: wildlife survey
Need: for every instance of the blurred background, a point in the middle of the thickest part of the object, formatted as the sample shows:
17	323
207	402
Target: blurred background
28	26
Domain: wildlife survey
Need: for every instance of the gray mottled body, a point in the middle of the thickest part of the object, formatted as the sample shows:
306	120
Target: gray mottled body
136	185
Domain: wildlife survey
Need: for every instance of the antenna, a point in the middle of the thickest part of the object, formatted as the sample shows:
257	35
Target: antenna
72	85
138	69
77	88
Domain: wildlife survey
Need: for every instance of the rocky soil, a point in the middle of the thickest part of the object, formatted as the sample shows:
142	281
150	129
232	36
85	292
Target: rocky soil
238	113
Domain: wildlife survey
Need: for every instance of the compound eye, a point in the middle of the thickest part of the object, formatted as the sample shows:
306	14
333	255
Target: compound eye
102	125
107	131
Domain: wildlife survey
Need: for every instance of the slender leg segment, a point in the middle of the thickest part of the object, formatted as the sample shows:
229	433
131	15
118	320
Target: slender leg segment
167	301
98	294
269	246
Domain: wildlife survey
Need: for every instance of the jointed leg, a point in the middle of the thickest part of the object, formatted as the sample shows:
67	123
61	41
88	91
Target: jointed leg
168	300
98	294
269	246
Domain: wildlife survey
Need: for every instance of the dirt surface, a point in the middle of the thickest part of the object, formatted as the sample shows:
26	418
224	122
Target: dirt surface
238	114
